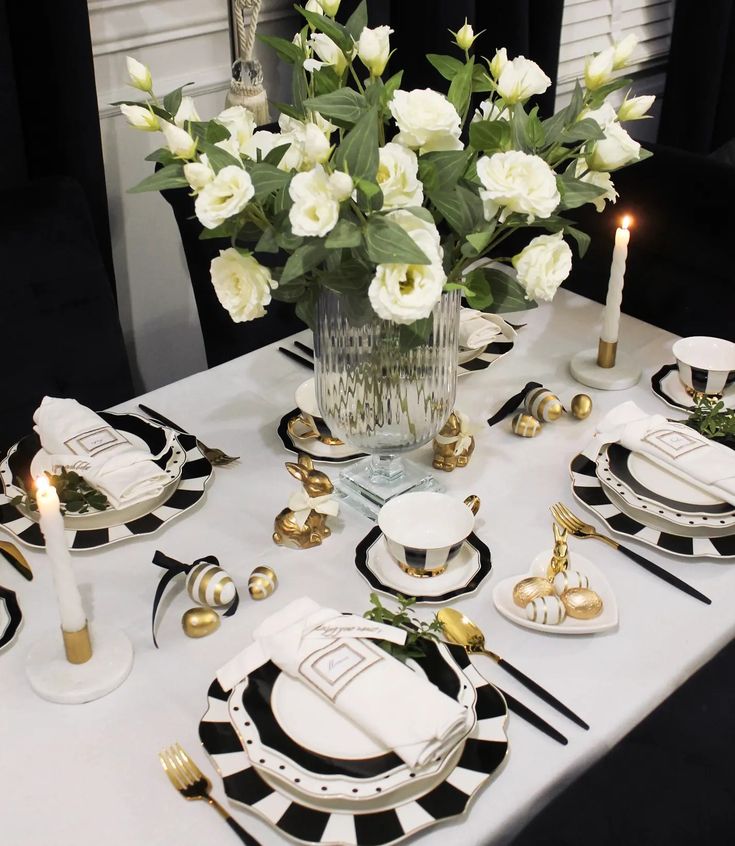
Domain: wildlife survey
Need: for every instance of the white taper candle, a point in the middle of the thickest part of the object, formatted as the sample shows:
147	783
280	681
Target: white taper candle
611	316
71	611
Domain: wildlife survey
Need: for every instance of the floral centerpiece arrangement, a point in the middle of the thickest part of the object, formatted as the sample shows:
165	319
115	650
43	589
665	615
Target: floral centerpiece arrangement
388	196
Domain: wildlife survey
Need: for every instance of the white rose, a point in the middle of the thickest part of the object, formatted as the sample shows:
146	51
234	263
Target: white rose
601	180
141	118
178	140
186	111
198	174
543	265
517	182
426	120
140	75
465	37
623	50
331	7
598	68
373	48
240	123
603	116
226	195
242	285
398	177
315	208
616	150
500	60
520	79
328	52
487	110
635	108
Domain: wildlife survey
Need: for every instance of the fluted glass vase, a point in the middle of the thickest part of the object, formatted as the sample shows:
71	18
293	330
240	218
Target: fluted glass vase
384	394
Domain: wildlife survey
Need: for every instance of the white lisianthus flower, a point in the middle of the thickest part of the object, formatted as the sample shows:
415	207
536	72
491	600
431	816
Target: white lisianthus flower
398	177
487	110
198	174
404	293
520	79
243	286
341	185
598	68
226	195
517	182
465	37
316	145
499	61
240	123
599	178
315	208
373	48
616	150
230	145
264	141
141	118
426	120
139	74
603	116
314	6
328	52
187	111
623	50
635	108
331	7
543	265
178	140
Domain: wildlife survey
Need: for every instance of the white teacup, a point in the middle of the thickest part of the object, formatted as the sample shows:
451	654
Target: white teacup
706	365
309	423
424	531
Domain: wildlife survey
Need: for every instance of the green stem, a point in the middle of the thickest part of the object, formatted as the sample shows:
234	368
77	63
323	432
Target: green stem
360	86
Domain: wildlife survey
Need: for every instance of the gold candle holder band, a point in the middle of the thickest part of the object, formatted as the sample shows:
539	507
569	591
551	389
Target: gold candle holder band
606	352
77	645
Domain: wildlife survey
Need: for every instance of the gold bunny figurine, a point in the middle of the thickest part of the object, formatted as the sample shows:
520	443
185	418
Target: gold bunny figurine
560	555
303	524
454	445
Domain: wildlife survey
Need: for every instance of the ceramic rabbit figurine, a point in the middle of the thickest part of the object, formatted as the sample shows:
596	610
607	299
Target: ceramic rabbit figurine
560	555
454	444
303	524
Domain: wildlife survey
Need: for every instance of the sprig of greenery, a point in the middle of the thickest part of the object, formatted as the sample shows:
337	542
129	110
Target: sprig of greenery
712	419
75	494
418	630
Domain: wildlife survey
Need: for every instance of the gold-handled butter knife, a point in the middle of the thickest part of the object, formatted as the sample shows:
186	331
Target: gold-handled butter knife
15	558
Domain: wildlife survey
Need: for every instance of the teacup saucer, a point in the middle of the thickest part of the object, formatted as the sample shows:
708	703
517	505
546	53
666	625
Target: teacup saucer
667	386
464	574
313	447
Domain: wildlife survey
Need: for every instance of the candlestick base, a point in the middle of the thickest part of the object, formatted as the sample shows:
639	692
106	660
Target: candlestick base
56	679
585	369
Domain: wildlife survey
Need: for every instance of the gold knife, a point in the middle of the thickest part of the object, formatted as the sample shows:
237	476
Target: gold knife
15	558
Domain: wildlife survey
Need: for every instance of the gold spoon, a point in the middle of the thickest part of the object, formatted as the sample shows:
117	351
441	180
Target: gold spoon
462	631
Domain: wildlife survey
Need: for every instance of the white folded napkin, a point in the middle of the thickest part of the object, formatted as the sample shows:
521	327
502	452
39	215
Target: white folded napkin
78	439
332	653
477	329
675	447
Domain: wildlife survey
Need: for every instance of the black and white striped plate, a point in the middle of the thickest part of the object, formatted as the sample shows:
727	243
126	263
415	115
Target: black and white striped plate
10	615
481	756
589	490
667	386
489	355
195	474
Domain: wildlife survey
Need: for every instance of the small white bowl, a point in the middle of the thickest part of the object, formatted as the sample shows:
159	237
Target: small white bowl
424	531
706	365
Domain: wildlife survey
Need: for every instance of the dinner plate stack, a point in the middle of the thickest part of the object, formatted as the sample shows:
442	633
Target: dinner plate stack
289	755
643	500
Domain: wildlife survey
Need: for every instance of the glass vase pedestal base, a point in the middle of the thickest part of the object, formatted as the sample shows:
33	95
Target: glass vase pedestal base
370	483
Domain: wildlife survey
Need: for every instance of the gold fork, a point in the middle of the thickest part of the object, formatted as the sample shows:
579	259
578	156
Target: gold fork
579	529
191	783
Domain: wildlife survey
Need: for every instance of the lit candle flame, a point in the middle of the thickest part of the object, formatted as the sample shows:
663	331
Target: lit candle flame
42	484
627	221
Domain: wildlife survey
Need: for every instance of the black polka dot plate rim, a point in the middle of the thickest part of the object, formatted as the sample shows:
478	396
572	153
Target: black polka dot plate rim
195	473
314	448
667	386
621	520
479	758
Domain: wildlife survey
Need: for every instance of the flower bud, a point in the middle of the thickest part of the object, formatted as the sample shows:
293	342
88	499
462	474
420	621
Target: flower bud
187	111
140	75
330	7
465	37
623	50
141	118
598	69
340	184
500	60
178	140
373	48
314	6
635	108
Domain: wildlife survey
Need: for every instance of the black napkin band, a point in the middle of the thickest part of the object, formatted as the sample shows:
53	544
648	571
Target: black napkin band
510	405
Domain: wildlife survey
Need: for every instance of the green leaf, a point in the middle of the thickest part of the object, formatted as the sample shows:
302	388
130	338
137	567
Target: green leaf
302	260
330	27
325	81
344	106
267	179
481	80
490	135
598	97
172	100
508	293
306	306
216	132
299	87
447	66
287	109
479	295
442	169
461	208
460	89
357	21
387	243
345	234
421	212
170	176
574	192
414	334
349	278
162	155
224	230
358	152
535	130
282	201
287	50
582	239
267	242
519	128
290	292
275	155
390	87
480	240
583	130
217	157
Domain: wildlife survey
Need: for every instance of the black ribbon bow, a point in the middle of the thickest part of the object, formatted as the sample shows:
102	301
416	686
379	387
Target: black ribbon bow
510	405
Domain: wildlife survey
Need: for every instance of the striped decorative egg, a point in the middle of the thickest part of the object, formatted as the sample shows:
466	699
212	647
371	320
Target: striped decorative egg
547	610
525	426
529	589
543	405
568	579
262	582
210	585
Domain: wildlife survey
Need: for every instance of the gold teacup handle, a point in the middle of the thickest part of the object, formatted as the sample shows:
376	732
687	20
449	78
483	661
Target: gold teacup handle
310	434
473	503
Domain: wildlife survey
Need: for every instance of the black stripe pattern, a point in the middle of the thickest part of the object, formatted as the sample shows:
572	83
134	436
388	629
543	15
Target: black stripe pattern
489	356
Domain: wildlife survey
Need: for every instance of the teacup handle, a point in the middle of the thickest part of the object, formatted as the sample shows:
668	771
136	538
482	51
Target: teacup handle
473	503
309	434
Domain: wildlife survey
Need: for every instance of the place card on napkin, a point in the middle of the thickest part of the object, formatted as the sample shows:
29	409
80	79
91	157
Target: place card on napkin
674	446
78	439
477	329
332	654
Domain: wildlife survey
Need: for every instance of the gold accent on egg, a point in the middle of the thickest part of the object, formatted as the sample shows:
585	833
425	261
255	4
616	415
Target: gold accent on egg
529	589
543	405
581	406
525	425
262	582
582	603
200	622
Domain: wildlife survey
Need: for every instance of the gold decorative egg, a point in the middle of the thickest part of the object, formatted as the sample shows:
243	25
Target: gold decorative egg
525	425
581	406
543	405
200	622
262	582
529	589
582	603
211	585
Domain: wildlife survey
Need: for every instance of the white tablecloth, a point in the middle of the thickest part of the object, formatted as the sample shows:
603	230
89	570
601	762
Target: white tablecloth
89	775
